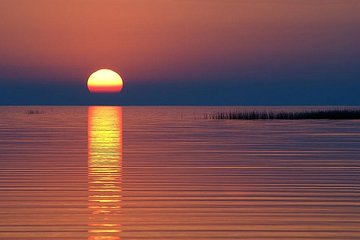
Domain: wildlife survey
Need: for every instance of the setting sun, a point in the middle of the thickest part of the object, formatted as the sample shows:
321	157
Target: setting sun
105	81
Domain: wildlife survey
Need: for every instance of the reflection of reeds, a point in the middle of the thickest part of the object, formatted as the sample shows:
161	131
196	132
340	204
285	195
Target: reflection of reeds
268	115
34	112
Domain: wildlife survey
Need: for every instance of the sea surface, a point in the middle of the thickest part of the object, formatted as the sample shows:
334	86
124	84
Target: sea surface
107	173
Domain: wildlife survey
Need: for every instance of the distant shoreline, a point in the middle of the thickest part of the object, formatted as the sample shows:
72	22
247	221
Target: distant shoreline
330	114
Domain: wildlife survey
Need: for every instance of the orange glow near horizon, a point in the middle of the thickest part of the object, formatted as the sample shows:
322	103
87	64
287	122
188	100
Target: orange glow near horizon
105	81
104	171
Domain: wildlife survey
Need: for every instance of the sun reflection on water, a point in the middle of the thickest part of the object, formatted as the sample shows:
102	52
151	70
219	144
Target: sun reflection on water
104	171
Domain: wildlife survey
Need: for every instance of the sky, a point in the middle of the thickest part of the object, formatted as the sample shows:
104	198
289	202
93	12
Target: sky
181	52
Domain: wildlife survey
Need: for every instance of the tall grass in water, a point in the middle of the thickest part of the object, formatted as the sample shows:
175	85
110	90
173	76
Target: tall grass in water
34	112
291	115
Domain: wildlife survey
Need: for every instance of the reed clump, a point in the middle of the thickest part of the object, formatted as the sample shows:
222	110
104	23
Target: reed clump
335	114
34	112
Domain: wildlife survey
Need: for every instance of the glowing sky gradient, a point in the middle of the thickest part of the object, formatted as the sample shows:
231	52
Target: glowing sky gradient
258	51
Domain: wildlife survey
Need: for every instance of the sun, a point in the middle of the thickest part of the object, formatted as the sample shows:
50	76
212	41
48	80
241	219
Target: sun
105	81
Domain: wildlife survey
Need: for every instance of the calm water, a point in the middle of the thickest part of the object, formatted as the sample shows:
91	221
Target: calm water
165	173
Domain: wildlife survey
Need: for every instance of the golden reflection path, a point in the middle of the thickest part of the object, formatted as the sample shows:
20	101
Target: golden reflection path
104	172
